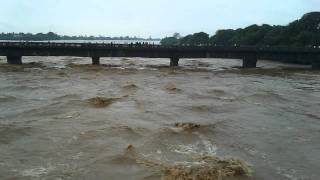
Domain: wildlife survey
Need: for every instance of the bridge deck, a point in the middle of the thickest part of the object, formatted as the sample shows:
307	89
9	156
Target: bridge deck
48	44
15	50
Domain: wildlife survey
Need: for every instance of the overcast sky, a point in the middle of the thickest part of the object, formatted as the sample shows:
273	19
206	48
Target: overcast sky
144	18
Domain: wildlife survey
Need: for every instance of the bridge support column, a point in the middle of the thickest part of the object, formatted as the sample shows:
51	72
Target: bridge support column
95	60
249	61
174	61
14	59
316	64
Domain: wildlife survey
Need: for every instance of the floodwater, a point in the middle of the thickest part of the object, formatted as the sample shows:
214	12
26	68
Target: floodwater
61	118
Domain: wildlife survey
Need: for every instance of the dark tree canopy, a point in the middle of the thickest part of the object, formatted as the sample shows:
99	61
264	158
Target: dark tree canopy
187	40
302	32
170	41
223	37
200	38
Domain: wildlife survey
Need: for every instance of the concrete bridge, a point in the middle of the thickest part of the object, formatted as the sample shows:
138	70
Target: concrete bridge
249	55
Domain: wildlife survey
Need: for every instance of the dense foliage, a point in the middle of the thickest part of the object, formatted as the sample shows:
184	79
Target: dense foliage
302	32
54	36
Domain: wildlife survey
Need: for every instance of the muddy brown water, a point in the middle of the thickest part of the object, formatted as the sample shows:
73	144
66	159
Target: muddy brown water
54	126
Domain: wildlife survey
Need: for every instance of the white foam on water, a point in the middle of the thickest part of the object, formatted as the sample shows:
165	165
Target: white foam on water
37	172
202	147
77	156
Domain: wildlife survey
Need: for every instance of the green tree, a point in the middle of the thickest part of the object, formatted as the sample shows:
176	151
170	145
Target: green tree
223	37
200	38
176	35
274	36
196	39
169	41
187	40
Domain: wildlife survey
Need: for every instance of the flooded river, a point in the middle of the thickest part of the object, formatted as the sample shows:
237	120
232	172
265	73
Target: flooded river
131	118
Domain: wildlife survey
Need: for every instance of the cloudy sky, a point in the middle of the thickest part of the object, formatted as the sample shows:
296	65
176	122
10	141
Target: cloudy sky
144	18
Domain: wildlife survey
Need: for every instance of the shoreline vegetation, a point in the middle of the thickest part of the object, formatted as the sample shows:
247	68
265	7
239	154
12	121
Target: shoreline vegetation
304	32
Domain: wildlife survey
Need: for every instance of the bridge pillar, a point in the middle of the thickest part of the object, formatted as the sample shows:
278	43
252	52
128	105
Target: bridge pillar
316	63
249	61
174	61
14	59
95	60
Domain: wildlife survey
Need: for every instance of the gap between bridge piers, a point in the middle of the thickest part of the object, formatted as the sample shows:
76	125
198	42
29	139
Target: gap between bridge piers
174	61
248	61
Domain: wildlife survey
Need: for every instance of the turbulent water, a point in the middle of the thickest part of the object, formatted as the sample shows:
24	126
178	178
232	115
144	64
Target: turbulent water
61	118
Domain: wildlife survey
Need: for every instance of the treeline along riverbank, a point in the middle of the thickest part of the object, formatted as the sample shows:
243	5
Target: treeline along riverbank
303	32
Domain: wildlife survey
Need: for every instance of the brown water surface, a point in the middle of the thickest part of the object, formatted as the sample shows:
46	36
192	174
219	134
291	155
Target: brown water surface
61	118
